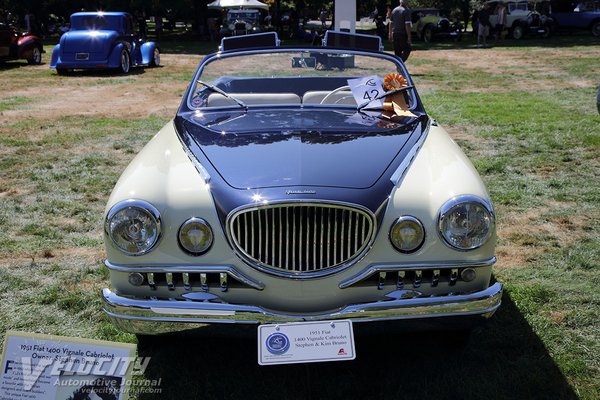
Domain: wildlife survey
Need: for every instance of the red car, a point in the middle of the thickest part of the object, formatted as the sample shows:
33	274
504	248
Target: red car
16	46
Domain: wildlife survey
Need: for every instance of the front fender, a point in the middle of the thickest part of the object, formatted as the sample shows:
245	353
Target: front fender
147	52
26	45
114	59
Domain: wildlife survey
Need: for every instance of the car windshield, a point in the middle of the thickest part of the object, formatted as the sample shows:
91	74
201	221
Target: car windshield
243	16
310	77
95	22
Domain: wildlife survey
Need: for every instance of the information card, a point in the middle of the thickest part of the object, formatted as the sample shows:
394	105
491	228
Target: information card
44	367
305	342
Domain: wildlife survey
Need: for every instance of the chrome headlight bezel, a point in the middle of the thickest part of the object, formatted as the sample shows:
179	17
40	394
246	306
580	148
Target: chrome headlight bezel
195	220
459	201
407	219
143	207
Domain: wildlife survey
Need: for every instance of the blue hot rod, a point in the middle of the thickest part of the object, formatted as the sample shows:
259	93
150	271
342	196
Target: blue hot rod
103	40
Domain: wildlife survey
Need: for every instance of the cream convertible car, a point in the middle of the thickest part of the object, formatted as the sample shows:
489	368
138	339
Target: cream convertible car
299	184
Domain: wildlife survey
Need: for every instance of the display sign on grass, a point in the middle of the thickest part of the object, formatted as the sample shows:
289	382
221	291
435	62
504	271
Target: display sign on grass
46	367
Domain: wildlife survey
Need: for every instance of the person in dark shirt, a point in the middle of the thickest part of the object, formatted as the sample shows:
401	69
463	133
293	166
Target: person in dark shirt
400	30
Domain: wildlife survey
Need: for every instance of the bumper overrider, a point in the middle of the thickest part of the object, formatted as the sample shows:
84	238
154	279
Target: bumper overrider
151	316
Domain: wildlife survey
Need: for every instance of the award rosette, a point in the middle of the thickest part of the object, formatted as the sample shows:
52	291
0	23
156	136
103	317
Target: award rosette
395	104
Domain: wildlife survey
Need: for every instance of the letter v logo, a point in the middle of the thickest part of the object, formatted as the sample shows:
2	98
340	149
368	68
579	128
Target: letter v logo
30	374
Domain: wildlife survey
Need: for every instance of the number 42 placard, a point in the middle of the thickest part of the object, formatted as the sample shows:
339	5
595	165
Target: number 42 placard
367	89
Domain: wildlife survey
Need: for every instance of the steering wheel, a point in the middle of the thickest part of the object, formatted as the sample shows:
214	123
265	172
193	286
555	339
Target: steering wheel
334	91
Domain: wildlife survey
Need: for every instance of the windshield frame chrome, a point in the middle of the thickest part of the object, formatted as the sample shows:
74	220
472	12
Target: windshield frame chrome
401	68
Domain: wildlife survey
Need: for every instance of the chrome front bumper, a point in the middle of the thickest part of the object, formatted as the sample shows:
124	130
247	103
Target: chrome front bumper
150	317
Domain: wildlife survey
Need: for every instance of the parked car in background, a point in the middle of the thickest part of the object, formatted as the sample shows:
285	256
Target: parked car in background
103	40
429	24
523	18
241	22
15	45
584	15
291	191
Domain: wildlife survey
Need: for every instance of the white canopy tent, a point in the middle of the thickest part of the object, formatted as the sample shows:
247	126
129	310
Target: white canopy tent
237	4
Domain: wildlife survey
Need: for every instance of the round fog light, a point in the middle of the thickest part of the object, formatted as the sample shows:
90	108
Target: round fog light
407	234
468	274
195	236
136	279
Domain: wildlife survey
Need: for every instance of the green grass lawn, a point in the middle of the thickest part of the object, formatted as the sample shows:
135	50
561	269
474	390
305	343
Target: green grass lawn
525	113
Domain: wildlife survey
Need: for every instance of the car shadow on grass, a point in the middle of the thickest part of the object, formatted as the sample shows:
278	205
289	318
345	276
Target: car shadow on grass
5	66
502	359
101	73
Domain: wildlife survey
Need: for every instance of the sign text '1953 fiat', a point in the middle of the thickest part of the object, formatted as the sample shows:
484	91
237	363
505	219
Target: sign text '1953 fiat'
299	185
103	40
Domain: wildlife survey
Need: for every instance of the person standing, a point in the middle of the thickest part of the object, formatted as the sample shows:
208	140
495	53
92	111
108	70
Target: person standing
400	30
483	26
500	20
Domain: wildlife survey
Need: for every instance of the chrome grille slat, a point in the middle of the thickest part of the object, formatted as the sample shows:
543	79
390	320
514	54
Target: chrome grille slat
314	242
301	238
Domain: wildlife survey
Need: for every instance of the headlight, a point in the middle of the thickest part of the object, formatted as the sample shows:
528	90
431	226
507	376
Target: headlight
407	234
195	236
466	222
133	226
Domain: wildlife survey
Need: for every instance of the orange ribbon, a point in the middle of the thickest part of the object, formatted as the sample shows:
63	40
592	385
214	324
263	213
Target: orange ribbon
395	104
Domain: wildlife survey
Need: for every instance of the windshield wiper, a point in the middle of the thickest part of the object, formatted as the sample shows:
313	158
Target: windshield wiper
381	96
222	92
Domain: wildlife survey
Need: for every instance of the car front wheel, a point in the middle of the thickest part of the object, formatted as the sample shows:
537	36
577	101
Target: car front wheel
125	64
596	29
36	56
427	34
518	32
155	62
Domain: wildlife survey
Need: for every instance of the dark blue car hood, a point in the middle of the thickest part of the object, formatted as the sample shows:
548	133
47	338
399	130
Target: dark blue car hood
263	149
285	154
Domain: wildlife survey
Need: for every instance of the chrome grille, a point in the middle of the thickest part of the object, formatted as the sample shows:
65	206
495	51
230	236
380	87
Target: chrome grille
303	239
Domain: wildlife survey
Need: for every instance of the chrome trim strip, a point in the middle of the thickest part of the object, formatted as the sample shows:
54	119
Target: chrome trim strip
163	316
151	282
453	276
203	284
169	278
373	269
335	205
206	269
199	167
223	281
435	278
398	175
417	278
400	282
186	281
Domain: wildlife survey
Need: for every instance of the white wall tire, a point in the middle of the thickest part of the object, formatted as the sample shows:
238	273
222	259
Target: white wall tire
124	62
155	61
36	56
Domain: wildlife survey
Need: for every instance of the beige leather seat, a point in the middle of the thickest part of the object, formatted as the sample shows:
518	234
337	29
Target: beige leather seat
315	97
